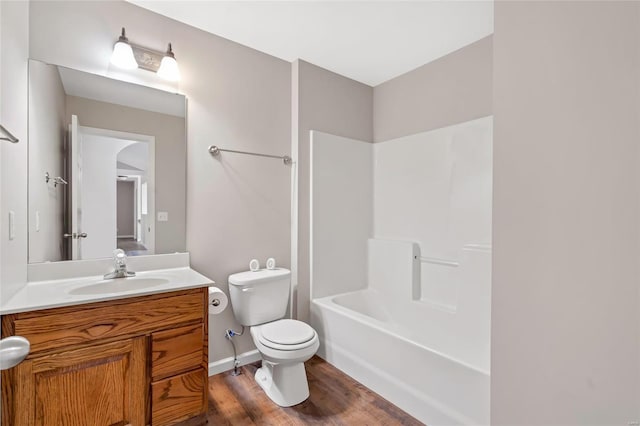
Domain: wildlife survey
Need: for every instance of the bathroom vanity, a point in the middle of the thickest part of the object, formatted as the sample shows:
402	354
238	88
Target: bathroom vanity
132	359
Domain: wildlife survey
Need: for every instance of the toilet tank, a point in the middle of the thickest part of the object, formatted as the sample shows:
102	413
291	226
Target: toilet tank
259	296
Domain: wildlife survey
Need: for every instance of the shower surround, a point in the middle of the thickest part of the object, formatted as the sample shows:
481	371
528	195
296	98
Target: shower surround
401	266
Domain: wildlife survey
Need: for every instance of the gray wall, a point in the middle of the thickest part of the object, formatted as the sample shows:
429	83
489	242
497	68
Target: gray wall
14	57
452	89
125	208
238	207
170	159
47	132
331	103
565	301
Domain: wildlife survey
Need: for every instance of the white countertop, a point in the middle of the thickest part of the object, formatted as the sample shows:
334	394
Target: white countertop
39	295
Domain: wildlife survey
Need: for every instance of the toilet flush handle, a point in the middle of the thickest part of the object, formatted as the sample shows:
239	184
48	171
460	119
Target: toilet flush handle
244	290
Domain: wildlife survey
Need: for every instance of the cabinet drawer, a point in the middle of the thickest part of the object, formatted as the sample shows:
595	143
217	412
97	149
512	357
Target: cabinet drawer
178	398
63	327
176	350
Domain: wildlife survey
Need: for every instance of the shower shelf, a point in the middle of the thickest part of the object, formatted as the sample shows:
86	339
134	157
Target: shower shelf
437	261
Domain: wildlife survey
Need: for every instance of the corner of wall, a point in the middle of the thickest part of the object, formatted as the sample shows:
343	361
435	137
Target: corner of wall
14	51
455	88
331	103
295	118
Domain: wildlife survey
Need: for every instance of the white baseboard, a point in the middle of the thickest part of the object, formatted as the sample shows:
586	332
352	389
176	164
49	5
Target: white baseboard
226	364
126	236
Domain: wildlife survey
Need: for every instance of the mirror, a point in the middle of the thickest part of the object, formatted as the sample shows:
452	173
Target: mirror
107	166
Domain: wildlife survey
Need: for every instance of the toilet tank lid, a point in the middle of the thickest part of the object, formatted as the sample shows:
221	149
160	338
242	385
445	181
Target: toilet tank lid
261	275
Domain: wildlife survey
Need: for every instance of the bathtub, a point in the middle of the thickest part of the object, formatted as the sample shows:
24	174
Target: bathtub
418	370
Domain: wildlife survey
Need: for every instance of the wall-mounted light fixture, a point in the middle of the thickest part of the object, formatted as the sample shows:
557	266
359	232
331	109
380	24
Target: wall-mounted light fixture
169	66
122	56
130	56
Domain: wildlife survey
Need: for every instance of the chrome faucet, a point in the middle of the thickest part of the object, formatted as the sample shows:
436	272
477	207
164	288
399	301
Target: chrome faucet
120	261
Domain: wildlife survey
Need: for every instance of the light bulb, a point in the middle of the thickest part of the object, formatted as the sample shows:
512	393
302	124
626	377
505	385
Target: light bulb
122	55
169	66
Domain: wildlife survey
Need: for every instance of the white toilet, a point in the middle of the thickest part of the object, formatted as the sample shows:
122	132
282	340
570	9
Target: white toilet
259	299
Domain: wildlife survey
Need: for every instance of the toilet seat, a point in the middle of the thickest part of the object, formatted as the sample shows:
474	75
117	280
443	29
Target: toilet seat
287	335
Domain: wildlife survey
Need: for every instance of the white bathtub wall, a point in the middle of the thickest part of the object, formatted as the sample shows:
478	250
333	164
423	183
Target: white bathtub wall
435	188
460	331
341	213
393	269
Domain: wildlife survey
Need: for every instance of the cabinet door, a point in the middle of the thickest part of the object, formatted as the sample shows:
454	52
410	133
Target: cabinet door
99	385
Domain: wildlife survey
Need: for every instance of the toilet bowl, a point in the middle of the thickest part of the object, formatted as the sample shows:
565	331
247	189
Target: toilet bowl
259	300
284	345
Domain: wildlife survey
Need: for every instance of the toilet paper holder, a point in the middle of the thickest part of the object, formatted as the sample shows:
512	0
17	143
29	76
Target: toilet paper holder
218	301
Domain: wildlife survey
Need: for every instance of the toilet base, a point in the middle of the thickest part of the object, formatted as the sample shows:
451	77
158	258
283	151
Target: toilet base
284	384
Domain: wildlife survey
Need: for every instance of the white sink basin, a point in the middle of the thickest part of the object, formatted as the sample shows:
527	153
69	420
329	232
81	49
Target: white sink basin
119	285
37	295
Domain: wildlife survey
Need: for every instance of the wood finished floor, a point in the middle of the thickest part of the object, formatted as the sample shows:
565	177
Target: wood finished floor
336	399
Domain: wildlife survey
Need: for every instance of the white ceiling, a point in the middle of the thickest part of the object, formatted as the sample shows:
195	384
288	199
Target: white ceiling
368	41
104	89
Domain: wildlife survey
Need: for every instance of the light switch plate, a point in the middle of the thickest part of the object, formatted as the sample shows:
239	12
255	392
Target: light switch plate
163	216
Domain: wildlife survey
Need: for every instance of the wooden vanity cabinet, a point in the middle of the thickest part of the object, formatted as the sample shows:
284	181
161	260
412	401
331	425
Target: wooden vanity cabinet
138	361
